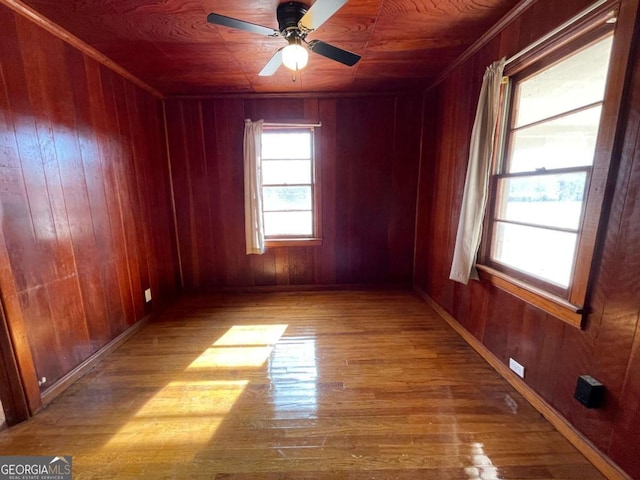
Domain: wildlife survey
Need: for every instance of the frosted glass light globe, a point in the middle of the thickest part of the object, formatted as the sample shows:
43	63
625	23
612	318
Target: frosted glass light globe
295	57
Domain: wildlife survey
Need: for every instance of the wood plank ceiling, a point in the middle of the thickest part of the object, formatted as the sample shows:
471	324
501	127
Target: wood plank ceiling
169	45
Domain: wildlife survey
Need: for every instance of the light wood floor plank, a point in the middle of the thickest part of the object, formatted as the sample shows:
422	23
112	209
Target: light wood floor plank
321	385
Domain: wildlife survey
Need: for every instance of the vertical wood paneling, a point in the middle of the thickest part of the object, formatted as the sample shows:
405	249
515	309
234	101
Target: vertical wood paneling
11	195
425	204
85	191
624	446
162	256
554	354
112	156
619	283
226	160
125	174
92	287
404	184
442	174
325	257
13	395
364	170
367	151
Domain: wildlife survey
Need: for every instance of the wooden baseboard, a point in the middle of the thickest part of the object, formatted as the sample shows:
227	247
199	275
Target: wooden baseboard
601	461
74	375
310	288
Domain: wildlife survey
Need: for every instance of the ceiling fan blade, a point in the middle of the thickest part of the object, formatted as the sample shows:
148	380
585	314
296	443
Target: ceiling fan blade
334	53
272	65
319	13
241	25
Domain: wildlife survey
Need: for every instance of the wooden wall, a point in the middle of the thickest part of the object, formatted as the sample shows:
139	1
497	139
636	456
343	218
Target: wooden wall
554	353
367	153
86	219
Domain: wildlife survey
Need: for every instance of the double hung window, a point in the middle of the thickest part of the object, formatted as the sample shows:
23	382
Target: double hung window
289	185
539	191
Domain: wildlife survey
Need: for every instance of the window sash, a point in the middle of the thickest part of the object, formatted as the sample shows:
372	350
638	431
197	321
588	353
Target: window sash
502	197
552	253
490	257
562	141
312	185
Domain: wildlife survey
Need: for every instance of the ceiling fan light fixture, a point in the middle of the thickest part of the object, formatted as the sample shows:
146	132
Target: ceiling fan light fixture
295	56
295	21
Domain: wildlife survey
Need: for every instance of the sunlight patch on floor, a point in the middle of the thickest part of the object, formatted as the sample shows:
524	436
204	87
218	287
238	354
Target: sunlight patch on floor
187	412
241	346
231	357
182	413
244	335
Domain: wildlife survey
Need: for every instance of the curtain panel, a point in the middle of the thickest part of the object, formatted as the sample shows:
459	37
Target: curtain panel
253	220
476	186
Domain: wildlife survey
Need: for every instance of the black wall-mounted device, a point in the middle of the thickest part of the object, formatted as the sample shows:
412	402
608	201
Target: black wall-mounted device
589	391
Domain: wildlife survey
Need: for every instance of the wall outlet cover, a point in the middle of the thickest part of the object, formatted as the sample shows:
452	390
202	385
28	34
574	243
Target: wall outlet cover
516	367
147	295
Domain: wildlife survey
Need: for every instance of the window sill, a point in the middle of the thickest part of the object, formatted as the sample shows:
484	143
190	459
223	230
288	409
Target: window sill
553	305
293	242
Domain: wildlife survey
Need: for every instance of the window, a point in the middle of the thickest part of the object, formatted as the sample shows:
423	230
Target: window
289	185
544	167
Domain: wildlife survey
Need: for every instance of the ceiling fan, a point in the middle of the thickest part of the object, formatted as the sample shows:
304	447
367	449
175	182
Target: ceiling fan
295	21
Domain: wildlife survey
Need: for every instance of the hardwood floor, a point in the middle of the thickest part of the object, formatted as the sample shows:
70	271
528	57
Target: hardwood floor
323	385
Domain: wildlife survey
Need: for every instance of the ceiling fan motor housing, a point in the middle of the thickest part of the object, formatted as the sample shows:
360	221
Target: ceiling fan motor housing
289	14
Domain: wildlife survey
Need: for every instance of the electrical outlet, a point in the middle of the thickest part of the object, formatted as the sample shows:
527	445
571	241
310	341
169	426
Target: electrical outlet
516	367
147	295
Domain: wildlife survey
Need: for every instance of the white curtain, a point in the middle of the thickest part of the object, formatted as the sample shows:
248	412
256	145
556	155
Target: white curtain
253	221
476	185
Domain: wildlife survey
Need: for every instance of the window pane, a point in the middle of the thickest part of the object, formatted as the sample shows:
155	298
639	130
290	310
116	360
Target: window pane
576	81
288	223
285	145
565	142
550	200
286	198
286	171
546	254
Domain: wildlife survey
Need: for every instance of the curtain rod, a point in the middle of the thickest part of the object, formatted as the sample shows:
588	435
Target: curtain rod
271	124
557	30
